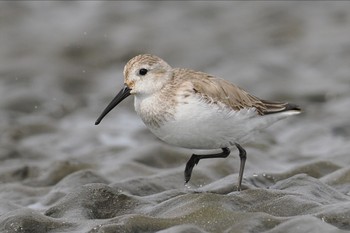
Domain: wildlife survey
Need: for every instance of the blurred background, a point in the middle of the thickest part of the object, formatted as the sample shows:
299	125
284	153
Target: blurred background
62	62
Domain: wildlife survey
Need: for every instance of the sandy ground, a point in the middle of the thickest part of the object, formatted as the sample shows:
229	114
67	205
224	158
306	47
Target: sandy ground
61	63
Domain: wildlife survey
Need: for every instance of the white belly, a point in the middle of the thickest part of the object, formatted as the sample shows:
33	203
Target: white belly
197	125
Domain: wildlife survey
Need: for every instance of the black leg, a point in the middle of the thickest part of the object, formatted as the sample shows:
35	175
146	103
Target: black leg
243	158
195	159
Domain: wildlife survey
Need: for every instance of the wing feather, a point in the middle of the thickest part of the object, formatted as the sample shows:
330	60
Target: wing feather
214	90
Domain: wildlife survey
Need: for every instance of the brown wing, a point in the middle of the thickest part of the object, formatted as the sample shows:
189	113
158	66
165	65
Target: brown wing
214	89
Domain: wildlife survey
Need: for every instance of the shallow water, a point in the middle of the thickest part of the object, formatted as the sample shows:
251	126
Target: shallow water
61	63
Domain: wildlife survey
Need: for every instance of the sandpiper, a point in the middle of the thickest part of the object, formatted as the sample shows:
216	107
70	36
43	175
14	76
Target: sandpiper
195	110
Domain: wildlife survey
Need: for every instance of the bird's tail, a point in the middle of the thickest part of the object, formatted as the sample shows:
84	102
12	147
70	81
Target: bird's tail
278	107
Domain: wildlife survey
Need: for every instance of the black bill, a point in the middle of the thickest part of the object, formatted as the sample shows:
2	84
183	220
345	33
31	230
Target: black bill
123	93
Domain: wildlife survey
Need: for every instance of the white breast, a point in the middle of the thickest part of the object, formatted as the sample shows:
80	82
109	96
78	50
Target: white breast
195	124
199	125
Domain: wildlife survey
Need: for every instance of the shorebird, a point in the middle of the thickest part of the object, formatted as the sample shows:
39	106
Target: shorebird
195	110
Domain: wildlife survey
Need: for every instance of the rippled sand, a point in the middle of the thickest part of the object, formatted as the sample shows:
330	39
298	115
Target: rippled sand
61	63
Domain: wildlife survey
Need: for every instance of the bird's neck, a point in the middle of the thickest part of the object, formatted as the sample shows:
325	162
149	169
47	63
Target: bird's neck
154	109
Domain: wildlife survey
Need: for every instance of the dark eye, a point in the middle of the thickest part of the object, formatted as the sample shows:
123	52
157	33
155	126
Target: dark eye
143	71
